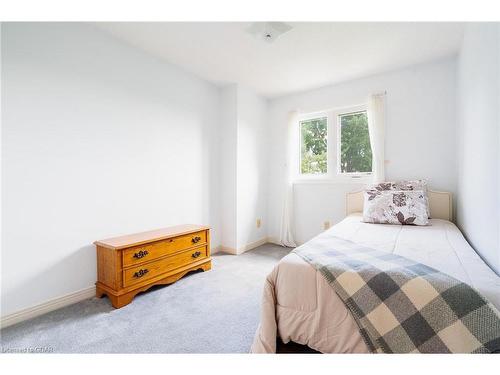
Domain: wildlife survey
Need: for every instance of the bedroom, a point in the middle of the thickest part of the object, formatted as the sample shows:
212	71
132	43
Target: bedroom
260	139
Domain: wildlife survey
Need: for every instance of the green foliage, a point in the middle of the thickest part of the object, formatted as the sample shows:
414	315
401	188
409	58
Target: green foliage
355	149
314	146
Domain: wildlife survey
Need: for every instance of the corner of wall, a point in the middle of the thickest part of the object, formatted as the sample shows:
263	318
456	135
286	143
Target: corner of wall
244	165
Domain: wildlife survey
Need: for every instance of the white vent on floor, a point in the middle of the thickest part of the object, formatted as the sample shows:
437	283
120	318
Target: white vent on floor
268	31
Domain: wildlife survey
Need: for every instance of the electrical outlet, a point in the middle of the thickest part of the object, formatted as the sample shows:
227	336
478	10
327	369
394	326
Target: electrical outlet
258	223
326	225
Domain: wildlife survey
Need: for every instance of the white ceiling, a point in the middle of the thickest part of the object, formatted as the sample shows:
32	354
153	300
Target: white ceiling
311	55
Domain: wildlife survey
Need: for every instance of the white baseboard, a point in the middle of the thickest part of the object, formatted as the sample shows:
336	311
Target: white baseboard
228	250
242	249
48	306
274	240
252	245
216	249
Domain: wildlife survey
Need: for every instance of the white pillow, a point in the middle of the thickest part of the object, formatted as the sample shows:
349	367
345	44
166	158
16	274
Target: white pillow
405	207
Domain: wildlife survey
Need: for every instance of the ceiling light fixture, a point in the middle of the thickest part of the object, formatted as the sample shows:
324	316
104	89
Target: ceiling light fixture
268	31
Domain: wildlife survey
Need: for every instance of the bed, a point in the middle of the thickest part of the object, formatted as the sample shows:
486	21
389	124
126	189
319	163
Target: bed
300	306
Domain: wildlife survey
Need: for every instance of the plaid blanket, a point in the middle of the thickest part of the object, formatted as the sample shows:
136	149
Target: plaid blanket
402	306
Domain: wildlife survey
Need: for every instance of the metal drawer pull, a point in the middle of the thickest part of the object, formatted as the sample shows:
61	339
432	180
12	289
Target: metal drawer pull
196	254
196	239
141	254
141	273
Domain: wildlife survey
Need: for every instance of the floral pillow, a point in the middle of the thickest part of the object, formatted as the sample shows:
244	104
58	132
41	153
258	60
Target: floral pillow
400	185
406	207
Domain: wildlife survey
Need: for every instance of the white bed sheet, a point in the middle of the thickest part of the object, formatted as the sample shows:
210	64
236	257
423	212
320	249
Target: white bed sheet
300	306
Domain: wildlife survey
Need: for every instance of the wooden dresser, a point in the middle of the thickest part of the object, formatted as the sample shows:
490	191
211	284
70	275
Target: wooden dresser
131	264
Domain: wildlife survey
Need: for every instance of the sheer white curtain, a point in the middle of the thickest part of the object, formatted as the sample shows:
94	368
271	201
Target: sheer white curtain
286	232
376	128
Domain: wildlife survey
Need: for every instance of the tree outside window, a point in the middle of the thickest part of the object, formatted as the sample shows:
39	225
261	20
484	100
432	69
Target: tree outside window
355	149
314	146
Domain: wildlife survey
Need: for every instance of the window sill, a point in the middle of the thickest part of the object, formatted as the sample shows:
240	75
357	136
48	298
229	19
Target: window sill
333	181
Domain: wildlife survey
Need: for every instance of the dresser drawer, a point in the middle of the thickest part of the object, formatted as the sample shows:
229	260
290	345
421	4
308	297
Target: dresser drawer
145	253
150	270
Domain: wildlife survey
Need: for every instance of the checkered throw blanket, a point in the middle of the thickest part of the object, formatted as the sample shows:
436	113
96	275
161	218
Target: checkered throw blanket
402	306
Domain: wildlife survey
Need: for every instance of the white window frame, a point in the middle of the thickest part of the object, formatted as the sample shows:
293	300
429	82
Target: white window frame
352	110
333	174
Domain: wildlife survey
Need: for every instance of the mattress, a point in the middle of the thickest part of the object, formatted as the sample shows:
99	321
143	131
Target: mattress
299	305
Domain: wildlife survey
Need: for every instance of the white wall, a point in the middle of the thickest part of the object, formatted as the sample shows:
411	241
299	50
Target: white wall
229	143
252	168
99	139
478	203
420	140
244	168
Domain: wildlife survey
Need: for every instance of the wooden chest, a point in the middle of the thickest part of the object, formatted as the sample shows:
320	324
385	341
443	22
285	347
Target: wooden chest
131	264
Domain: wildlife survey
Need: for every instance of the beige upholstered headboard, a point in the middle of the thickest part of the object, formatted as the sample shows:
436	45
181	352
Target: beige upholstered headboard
440	204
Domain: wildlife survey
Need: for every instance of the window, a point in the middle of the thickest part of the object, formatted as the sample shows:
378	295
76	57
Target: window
355	149
314	146
335	145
